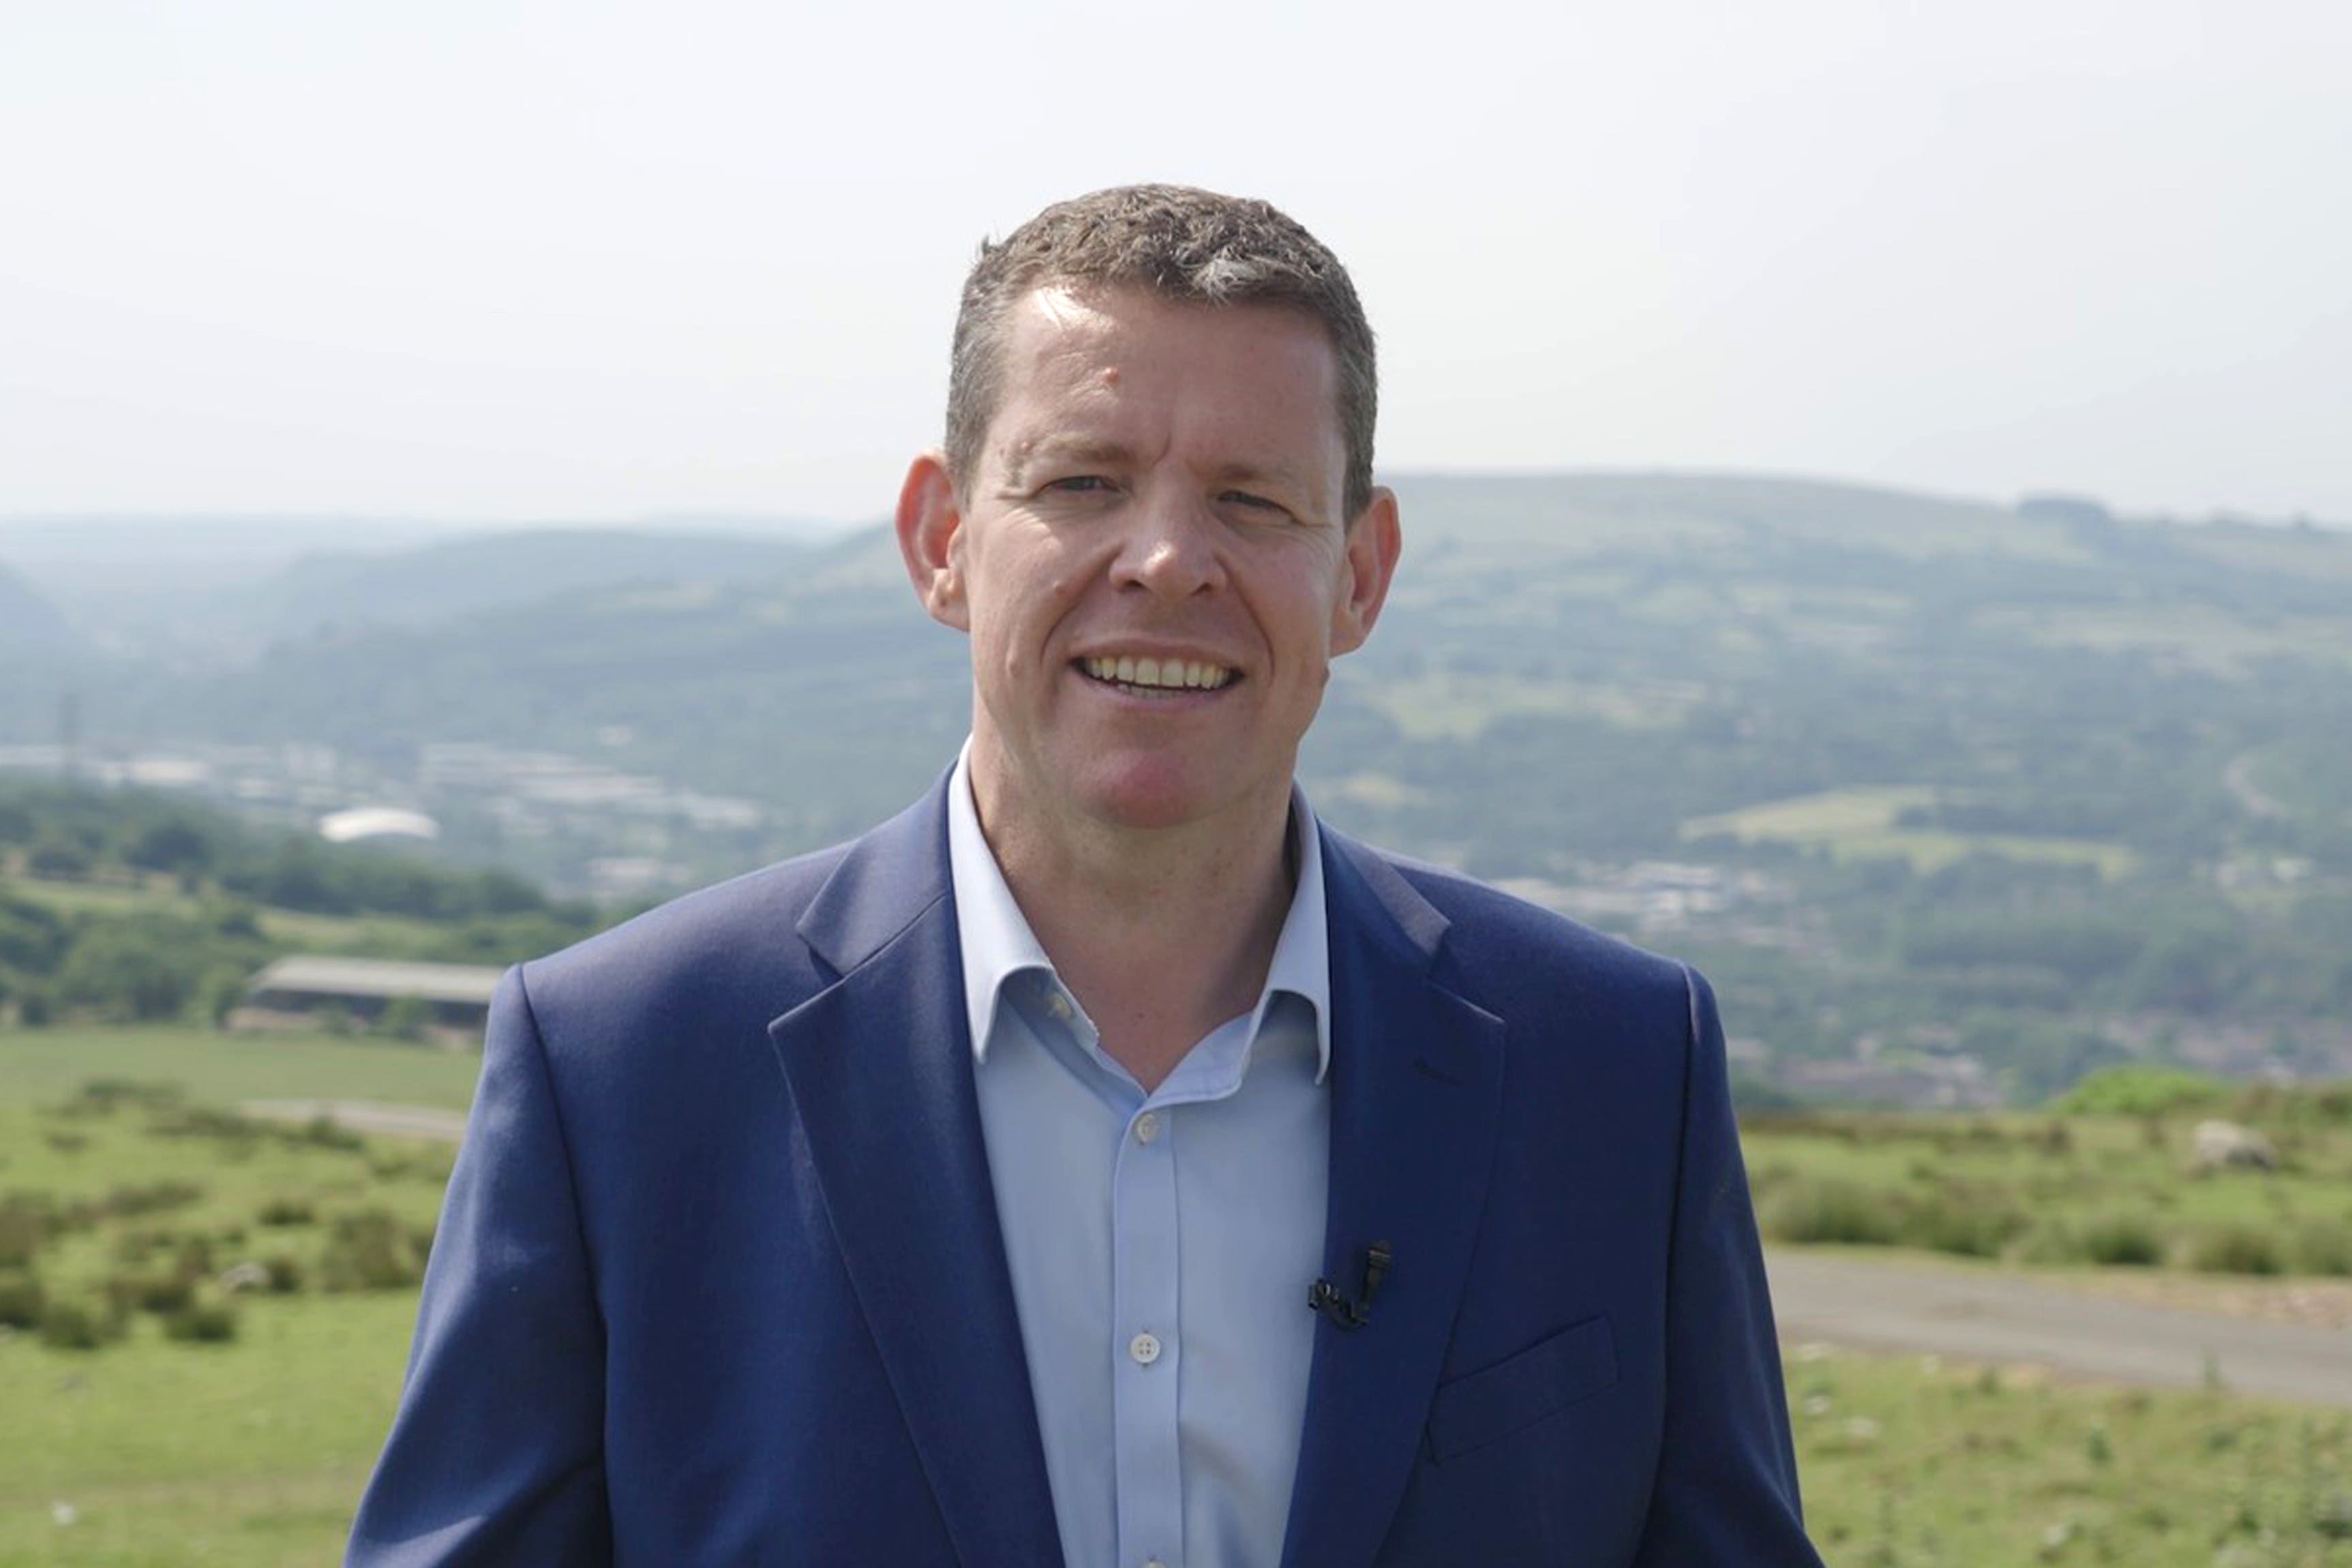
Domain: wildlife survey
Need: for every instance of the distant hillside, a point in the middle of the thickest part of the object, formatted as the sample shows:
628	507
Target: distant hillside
439	582
1955	799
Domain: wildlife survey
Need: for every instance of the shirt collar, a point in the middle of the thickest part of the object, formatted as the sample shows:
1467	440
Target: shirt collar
997	943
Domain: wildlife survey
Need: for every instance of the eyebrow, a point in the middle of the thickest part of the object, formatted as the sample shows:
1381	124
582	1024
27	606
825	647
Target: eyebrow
1091	451
1053	451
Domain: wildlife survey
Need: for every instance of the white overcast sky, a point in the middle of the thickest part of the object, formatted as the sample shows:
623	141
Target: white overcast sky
499	259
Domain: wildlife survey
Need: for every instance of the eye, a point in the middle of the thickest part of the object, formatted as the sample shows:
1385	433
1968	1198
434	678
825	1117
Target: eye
1249	502
1079	484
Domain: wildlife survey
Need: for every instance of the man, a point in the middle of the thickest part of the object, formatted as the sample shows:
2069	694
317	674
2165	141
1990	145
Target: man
1102	1162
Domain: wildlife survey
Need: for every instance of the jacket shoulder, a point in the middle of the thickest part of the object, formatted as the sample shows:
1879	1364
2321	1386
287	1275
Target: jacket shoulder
735	939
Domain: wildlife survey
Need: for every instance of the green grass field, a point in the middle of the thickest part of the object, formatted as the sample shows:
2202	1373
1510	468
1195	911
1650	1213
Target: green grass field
1861	823
1910	1461
152	1450
44	1066
2035	1187
149	1449
1459	706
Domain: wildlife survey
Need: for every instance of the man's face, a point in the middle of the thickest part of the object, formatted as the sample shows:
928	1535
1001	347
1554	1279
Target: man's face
1150	560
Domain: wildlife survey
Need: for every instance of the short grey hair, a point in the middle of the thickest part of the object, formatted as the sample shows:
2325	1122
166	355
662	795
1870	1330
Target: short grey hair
1190	246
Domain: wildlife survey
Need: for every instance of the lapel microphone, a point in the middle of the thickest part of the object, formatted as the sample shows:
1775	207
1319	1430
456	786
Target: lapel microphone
1324	1297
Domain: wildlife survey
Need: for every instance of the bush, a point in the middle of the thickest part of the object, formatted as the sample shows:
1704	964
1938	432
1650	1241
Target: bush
404	1018
2236	1249
284	1274
203	1321
2140	1089
2122	1240
160	1293
370	1250
1805	1210
21	1299
26	1220
326	1132
128	1203
1970	1225
72	1326
2323	1247
285	1211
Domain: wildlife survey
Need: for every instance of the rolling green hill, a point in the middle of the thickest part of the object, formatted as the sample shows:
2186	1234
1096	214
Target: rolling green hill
1954	800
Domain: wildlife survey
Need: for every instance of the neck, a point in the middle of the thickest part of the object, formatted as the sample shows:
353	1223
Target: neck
1161	934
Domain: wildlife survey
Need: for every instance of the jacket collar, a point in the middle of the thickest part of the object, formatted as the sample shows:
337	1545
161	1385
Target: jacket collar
1417	1100
880	1068
1416	1081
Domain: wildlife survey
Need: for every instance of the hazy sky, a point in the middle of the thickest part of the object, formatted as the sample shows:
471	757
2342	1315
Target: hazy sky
500	259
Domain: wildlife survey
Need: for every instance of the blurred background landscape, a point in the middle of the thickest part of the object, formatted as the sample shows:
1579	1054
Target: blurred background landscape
1955	800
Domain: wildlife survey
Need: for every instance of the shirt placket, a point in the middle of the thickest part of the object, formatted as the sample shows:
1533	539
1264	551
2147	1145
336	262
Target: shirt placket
1148	1343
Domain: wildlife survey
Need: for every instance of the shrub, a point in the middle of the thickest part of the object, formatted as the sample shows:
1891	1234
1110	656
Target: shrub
26	1220
72	1326
285	1210
160	1293
127	1203
326	1132
2236	1249
21	1299
1971	1225
284	1274
370	1250
2321	1246
203	1321
1805	1210
404	1018
2122	1240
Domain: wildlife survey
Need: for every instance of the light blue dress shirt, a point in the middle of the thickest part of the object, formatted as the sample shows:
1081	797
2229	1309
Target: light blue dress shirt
1161	1245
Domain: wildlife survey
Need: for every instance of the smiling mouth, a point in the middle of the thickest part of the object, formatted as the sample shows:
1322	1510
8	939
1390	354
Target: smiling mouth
1157	676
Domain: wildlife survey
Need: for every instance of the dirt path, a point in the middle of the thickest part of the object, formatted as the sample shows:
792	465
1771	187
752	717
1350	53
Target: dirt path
2006	1318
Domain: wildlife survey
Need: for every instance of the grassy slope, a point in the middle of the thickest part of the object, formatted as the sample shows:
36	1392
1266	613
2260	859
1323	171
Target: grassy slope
1911	1461
2046	1179
43	1066
247	1453
254	1452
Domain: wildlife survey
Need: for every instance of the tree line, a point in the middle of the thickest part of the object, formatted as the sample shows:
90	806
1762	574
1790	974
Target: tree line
173	913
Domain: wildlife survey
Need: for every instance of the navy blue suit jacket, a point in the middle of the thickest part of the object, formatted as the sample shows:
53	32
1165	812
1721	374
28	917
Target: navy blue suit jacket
720	1278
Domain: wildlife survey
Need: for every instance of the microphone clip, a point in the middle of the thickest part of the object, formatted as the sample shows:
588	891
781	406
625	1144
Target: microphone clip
1346	1312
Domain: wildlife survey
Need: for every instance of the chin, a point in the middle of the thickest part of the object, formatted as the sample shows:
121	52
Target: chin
1147	794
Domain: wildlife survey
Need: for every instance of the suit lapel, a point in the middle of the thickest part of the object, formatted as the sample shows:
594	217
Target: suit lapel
1416	1084
880	1070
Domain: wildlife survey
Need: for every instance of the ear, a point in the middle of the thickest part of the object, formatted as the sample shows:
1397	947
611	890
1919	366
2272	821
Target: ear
930	539
1372	544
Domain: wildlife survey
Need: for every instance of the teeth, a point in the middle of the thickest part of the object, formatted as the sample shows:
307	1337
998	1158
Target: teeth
1167	675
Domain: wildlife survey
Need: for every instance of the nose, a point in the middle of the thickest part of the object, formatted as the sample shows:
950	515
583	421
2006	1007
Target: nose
1171	548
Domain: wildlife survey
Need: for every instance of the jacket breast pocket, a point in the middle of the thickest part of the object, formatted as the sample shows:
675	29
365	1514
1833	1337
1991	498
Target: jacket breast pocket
1546	1377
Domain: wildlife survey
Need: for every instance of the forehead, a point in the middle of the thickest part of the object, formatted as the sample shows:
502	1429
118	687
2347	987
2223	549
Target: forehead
1097	357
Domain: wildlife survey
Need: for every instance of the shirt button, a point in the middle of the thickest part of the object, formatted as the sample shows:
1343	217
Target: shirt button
1155	1563
1144	1348
1057	1004
1146	1128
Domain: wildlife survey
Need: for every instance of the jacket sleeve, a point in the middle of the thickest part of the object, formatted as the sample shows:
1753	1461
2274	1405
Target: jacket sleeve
1726	1492
496	1454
